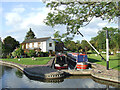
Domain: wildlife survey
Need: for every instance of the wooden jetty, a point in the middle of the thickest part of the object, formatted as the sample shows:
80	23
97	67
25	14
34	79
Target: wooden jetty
78	72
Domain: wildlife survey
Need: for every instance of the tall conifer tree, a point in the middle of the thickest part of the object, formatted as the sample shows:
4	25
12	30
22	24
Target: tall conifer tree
30	35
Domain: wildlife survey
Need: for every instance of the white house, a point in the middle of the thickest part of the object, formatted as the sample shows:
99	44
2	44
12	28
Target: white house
45	44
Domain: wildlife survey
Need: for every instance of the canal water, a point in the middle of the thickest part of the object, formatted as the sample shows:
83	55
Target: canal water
13	78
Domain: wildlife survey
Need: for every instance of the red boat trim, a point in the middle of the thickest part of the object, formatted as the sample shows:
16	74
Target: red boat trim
82	66
65	67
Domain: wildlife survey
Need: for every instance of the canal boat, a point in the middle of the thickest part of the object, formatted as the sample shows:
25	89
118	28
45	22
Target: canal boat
60	61
80	59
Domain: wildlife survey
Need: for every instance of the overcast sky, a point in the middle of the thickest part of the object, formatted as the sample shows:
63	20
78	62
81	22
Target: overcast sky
17	17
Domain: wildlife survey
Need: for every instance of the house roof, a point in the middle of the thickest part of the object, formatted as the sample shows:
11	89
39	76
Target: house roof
36	40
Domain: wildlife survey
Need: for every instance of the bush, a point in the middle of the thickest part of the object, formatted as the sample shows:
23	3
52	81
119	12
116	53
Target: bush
40	54
14	54
31	53
3	55
53	53
8	56
17	52
45	54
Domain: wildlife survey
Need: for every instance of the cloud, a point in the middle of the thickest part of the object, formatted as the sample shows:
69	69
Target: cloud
20	22
87	33
12	18
18	10
102	24
33	19
99	23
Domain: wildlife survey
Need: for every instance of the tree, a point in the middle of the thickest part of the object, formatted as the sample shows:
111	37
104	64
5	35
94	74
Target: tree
57	36
18	52
71	45
78	46
85	45
79	14
9	44
114	37
100	40
30	35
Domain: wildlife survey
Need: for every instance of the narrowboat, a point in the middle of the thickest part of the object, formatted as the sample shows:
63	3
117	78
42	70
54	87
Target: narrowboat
80	59
60	61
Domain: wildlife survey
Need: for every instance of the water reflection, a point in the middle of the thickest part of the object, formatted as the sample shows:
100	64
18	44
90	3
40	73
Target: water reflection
19	74
47	80
13	78
1	74
107	83
1	70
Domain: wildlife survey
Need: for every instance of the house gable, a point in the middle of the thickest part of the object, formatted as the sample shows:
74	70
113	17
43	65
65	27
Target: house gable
39	44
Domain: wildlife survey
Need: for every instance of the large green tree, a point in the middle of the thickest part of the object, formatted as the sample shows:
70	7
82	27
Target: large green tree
9	44
57	36
30	35
79	14
114	37
100	40
85	45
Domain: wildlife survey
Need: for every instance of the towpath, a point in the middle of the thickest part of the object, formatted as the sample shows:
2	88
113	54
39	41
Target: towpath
101	72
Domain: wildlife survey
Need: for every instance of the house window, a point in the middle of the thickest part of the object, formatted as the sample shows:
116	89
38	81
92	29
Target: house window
50	44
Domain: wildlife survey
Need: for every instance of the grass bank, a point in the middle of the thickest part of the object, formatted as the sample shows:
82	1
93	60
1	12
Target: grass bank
29	61
113	60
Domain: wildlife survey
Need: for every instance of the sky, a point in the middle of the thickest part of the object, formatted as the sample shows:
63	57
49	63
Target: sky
16	17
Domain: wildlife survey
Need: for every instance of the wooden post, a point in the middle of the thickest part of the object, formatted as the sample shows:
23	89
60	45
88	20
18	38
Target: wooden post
107	50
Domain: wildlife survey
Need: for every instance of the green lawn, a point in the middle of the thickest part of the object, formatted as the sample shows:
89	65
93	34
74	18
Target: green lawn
29	61
113	61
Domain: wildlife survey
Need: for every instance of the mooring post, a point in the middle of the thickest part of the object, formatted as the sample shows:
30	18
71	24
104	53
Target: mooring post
107	50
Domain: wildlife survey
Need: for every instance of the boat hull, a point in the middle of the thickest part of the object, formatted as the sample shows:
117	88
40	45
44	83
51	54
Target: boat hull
57	66
82	66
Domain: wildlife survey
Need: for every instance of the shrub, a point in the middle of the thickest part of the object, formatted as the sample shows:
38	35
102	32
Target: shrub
31	53
45	54
8	56
17	52
14	54
53	53
40	54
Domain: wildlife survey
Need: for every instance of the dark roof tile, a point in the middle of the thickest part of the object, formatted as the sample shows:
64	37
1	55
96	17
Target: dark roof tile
36	40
